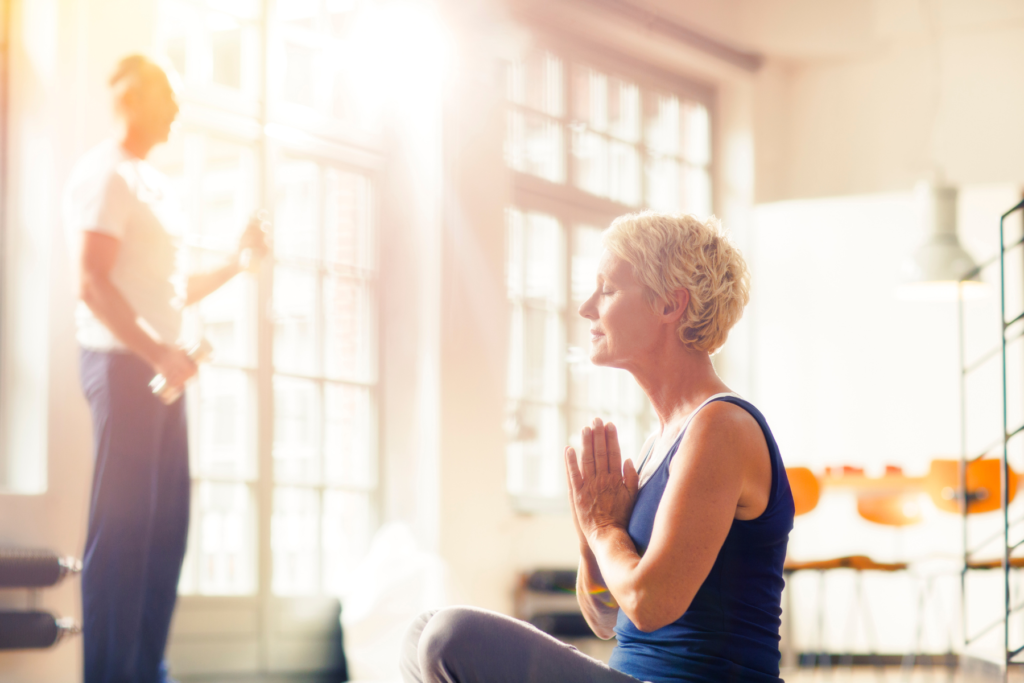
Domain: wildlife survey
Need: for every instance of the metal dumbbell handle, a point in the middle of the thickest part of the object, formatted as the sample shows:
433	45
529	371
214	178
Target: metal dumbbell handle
23	568
24	630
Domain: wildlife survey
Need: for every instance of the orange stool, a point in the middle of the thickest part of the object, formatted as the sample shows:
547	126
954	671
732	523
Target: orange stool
806	493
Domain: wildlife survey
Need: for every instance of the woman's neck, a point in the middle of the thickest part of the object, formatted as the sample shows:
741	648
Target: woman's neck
678	384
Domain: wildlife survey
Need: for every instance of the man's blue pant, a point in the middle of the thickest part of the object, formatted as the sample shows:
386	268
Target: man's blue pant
138	520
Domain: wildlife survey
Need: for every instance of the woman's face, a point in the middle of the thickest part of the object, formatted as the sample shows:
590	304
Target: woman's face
623	325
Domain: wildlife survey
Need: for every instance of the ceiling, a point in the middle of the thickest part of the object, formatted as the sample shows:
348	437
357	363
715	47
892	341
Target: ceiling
824	29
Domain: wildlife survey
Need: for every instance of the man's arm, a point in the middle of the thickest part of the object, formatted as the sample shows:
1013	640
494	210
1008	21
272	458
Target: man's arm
203	285
253	241
99	253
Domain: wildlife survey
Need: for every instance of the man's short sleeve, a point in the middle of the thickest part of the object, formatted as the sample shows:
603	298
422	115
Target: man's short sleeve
102	206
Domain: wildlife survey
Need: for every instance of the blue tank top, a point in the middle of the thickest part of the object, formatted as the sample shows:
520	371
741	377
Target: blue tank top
731	630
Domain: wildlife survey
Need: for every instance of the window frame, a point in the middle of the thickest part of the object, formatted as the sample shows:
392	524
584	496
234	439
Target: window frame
282	632
573	206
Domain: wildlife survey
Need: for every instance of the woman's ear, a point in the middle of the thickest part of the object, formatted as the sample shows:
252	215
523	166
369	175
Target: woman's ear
675	305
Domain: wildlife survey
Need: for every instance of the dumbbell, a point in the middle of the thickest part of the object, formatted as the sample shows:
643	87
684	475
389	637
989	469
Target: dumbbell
23	568
23	630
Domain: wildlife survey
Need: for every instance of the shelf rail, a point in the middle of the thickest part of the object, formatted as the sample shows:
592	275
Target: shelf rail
1007	336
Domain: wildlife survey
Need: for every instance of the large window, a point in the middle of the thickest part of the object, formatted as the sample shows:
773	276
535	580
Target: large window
283	421
586	143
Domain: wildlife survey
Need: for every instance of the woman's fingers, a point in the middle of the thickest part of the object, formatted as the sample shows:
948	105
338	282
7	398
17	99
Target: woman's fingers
630	477
614	453
586	464
572	470
600	447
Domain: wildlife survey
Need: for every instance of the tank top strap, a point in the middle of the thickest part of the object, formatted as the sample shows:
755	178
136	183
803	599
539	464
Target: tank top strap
667	458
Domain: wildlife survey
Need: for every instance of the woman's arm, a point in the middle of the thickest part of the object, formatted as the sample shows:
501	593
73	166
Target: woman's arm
596	602
718	470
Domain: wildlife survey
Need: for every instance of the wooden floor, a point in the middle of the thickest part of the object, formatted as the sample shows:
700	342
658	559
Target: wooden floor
921	674
856	674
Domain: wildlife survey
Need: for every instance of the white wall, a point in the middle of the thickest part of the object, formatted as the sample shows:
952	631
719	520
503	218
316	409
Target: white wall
848	374
910	99
54	43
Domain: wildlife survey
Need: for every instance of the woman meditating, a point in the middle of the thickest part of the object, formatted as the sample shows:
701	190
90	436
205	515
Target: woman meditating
680	557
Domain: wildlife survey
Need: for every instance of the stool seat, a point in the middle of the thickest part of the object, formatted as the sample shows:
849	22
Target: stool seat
855	562
997	563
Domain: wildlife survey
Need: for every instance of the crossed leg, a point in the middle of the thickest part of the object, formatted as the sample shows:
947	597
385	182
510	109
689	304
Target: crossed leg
470	645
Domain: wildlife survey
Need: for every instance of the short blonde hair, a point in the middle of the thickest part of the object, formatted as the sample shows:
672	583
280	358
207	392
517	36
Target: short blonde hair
670	251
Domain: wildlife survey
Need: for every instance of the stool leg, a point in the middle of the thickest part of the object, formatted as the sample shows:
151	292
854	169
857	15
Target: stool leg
824	658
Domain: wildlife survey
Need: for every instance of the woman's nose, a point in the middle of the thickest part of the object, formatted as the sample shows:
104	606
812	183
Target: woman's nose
586	309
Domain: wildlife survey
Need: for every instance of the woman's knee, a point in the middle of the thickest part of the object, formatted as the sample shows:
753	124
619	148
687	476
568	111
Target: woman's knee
409	658
450	631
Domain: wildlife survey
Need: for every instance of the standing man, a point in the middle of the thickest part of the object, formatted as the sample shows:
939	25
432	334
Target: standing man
120	212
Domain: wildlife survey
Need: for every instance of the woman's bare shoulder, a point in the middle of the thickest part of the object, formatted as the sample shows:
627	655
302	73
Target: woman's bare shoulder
725	433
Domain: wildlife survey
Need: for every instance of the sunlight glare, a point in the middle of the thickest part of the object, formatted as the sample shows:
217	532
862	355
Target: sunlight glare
401	52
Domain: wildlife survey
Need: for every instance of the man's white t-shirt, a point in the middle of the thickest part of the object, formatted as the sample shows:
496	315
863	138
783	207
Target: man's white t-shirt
113	193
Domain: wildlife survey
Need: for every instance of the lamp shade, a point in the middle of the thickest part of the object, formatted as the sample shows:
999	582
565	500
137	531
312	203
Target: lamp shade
941	267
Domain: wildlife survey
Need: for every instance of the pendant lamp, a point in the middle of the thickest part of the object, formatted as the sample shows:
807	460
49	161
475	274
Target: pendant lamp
940	269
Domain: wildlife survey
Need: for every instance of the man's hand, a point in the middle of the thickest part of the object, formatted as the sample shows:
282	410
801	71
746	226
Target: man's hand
175	365
253	246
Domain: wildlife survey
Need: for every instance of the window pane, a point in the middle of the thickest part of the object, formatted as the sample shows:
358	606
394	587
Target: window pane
661	123
536	282
296	215
348	441
314	68
347	521
300	74
536	435
295	541
606	167
221	557
696	191
696	134
606	104
536	258
536	81
295	297
590	162
536	355
624	173
223	419
341	14
228	320
585	255
249	9
226	190
296	431
226	52
348	219
214	46
347	329
534	145
664	185
301	14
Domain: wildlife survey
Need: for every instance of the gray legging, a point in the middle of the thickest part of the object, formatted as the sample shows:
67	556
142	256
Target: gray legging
470	645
